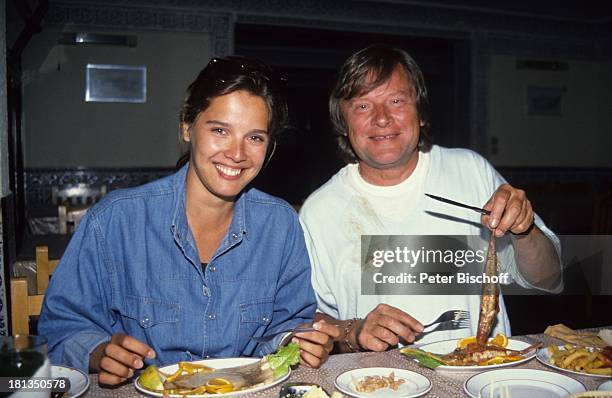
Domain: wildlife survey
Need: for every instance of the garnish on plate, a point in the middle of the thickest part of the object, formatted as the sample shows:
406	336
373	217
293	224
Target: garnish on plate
193	379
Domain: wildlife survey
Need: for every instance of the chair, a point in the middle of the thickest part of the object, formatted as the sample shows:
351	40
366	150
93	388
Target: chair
44	268
72	204
23	306
69	218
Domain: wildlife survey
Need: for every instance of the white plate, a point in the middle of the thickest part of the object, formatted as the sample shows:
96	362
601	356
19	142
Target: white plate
79	381
221	363
415	385
448	346
544	357
521	383
607	386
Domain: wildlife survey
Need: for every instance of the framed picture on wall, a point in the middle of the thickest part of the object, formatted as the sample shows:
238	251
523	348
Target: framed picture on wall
115	83
545	101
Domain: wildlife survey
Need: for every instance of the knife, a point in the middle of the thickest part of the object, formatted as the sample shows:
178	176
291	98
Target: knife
452	202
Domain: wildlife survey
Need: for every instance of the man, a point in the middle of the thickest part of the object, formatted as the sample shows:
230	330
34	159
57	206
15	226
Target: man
379	110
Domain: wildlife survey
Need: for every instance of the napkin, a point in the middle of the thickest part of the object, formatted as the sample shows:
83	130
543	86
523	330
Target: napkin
587	339
606	335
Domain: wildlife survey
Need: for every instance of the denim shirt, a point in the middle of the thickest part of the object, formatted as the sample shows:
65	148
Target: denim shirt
132	266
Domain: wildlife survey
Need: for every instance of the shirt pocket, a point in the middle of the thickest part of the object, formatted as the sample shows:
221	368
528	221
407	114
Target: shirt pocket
255	316
153	319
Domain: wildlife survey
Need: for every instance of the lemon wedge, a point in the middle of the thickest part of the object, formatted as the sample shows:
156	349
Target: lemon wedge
493	361
499	340
464	342
151	379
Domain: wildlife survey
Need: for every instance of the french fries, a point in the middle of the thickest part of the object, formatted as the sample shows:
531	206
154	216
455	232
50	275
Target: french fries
579	359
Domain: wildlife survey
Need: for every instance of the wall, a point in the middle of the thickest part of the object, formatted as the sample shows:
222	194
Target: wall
4	180
545	32
578	137
62	130
4	162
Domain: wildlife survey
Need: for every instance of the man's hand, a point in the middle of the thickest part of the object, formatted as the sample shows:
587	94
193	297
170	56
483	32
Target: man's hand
316	346
116	361
536	256
384	326
510	211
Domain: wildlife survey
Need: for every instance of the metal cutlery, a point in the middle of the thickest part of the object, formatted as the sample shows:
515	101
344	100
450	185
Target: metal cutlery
448	325
450	315
455	203
270	336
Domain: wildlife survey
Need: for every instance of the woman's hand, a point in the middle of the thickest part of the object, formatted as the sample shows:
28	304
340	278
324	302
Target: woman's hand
117	360
316	346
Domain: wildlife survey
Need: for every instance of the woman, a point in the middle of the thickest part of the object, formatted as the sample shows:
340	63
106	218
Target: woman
193	265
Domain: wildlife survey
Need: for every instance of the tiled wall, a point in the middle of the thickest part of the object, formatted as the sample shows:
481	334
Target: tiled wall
570	201
39	182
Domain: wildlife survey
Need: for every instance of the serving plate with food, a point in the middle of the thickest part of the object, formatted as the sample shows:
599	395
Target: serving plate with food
478	352
465	355
224	377
382	383
583	361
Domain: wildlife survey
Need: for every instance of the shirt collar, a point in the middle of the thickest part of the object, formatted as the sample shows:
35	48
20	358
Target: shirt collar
180	226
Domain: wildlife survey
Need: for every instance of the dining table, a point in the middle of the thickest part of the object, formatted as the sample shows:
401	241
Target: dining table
444	383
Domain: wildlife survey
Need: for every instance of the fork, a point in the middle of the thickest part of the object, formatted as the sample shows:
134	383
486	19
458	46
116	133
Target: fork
451	315
270	336
448	325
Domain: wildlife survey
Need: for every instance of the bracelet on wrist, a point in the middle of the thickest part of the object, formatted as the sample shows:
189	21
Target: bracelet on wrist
347	331
357	333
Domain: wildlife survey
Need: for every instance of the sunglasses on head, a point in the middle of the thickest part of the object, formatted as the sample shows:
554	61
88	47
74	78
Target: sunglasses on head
242	66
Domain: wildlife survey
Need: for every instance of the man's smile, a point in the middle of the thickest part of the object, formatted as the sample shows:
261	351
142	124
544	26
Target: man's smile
384	137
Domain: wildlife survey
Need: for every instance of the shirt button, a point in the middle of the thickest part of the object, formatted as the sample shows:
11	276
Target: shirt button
213	268
265	319
235	235
145	321
206	356
211	316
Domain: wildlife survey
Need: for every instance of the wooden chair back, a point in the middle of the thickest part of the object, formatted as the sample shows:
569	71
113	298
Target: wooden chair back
23	306
44	268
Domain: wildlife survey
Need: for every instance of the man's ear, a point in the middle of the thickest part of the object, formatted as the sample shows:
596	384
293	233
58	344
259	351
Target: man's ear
186	132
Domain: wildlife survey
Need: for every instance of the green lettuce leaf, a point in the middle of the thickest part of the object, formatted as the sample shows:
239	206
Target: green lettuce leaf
284	358
426	359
